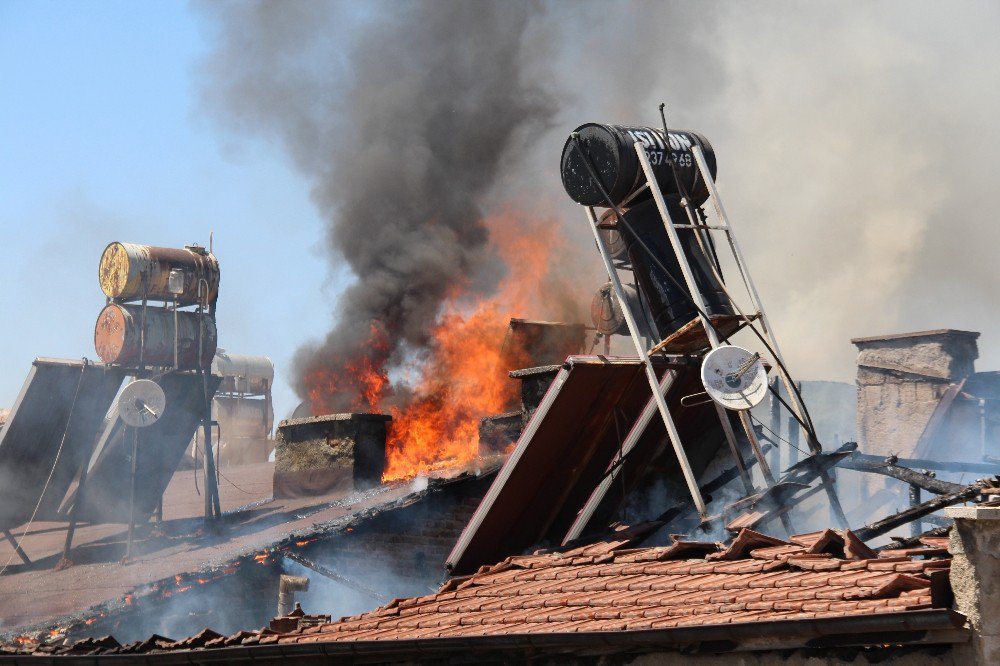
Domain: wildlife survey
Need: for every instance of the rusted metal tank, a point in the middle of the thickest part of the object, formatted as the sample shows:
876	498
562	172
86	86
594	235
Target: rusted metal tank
613	240
243	417
131	272
606	312
241	373
611	152
117	337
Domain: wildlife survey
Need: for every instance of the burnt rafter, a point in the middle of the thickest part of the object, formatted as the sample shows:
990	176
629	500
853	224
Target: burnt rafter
888	467
880	527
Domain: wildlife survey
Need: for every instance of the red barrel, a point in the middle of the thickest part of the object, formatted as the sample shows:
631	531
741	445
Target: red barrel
117	337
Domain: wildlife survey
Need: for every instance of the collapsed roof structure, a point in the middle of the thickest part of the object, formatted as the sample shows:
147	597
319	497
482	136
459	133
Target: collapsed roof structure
622	510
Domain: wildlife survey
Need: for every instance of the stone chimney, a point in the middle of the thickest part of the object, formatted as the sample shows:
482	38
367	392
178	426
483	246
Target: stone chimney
902	379
974	545
335	453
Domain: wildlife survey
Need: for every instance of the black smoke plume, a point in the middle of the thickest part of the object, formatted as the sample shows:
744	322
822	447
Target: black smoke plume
403	135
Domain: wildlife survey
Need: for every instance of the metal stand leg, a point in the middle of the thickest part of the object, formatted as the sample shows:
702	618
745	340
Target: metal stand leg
654	383
131	510
17	548
77	503
713	338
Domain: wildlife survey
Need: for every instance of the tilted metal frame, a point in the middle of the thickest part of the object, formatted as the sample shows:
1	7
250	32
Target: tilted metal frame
660	388
796	405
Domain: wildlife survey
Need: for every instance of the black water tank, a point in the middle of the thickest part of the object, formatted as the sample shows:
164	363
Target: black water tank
669	304
611	151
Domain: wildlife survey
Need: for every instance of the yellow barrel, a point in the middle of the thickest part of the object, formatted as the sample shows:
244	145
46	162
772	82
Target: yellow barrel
131	272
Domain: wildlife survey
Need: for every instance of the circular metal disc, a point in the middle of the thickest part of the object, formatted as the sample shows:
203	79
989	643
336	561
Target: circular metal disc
141	403
724	383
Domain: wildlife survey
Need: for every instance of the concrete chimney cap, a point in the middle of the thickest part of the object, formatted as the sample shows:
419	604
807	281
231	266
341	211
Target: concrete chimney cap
973	512
939	332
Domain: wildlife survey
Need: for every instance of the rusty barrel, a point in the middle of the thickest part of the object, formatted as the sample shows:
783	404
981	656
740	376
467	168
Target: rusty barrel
131	272
117	337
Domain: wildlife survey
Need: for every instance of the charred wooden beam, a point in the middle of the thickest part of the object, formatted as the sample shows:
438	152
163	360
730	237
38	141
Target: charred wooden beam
916	527
910	542
985	468
889	467
880	527
333	575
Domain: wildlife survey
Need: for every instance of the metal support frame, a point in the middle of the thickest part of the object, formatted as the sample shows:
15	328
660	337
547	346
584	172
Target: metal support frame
16	546
654	383
795	402
213	508
710	332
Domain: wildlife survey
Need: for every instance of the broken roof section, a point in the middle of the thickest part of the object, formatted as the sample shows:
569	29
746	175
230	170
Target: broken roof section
40	596
608	587
760	593
568	447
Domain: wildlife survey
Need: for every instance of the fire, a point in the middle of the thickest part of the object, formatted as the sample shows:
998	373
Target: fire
463	377
364	377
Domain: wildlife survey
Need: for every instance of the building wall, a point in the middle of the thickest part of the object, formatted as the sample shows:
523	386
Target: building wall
915	656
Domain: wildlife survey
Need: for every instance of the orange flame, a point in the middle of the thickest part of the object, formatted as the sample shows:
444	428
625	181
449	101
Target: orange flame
463	377
363	377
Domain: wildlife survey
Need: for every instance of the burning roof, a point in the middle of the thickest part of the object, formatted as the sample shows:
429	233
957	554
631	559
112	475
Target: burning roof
180	557
823	588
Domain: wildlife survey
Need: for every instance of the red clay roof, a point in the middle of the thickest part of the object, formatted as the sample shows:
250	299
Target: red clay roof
608	587
822	583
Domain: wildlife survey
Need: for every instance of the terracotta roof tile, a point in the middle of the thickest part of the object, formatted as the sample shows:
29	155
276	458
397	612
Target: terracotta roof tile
935	542
776	552
921	551
610	588
744	542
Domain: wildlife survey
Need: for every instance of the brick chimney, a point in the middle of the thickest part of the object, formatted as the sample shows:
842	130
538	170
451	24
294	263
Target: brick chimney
335	453
902	379
975	576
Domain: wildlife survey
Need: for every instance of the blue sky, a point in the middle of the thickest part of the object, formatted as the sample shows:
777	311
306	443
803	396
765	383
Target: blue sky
102	139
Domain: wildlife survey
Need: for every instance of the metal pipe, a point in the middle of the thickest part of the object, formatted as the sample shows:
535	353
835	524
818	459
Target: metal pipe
654	383
775	424
720	209
287	587
793	441
131	509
